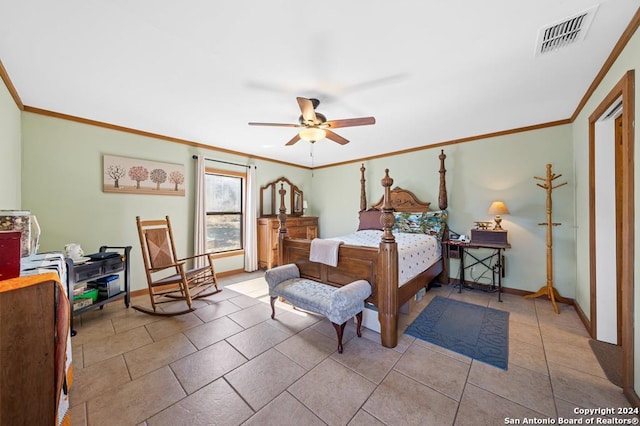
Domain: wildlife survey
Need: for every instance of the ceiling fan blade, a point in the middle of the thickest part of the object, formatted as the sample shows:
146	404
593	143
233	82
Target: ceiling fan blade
295	139
308	112
350	122
336	137
274	124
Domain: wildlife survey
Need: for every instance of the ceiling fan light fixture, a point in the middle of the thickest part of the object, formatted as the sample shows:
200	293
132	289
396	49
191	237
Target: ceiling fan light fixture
314	125
312	134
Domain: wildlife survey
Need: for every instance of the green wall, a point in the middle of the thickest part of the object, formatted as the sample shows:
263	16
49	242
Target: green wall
498	168
628	60
10	159
62	186
61	176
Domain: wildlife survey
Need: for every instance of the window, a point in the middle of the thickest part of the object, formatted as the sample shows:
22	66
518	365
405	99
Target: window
225	210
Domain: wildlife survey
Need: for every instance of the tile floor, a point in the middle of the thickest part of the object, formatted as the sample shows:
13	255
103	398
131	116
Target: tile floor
229	363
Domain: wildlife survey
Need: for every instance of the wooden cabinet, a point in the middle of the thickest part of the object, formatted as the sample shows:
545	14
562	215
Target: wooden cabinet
33	337
305	227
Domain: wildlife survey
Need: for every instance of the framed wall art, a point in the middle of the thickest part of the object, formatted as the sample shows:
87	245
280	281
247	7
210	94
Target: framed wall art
134	176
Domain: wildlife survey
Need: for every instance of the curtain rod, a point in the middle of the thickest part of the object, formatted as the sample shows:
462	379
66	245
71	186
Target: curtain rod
195	157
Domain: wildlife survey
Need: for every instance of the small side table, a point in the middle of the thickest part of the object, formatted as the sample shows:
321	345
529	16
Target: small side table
496	270
92	270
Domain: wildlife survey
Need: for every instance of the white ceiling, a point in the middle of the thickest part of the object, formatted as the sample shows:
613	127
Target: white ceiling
200	70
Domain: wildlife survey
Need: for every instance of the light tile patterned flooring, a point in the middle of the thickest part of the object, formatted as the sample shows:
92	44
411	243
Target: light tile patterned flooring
229	363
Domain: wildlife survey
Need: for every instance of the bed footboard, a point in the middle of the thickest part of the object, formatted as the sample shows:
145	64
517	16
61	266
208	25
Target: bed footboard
362	263
377	266
354	263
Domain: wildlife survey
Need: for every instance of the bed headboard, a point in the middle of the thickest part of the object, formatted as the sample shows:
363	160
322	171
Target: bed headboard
403	200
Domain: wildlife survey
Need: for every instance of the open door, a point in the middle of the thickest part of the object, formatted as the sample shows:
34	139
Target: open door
611	223
607	212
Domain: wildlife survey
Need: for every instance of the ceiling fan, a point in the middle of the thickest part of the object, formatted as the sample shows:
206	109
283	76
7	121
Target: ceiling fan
314	125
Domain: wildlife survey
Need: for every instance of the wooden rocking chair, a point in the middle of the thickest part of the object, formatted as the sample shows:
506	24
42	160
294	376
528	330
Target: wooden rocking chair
177	282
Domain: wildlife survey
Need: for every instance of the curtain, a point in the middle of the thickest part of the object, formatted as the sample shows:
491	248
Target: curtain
200	220
251	222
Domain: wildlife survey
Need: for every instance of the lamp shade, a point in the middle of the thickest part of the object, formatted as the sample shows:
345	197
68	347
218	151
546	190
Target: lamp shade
498	207
312	134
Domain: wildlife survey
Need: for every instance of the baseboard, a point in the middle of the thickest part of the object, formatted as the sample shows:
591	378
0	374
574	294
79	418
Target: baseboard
516	291
585	321
632	397
142	292
227	273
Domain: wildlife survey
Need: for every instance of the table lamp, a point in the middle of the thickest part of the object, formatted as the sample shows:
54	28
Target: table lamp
497	208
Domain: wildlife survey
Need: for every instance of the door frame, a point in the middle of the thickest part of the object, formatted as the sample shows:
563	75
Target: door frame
624	90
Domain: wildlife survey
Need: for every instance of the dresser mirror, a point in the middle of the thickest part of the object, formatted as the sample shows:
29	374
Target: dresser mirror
270	198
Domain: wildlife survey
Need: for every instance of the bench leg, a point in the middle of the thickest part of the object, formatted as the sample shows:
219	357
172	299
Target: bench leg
339	331
359	319
273	307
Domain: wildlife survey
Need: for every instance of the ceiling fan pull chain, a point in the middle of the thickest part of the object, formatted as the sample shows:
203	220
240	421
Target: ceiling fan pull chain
311	154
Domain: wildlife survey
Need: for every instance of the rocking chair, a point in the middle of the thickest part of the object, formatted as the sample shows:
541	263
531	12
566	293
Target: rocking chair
176	281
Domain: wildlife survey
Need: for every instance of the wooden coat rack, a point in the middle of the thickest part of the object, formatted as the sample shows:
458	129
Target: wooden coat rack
548	289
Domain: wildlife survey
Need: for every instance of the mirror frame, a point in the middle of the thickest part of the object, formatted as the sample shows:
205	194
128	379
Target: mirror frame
296	197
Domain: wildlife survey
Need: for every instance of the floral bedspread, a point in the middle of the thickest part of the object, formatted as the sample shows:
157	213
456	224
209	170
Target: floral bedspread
416	252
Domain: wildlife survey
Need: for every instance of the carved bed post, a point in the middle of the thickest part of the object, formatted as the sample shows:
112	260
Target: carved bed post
388	261
282	230
443	203
363	192
442	193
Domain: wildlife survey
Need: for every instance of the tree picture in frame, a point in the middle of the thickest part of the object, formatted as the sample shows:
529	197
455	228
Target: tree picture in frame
135	176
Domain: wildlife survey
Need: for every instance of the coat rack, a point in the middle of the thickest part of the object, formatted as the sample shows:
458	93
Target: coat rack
548	289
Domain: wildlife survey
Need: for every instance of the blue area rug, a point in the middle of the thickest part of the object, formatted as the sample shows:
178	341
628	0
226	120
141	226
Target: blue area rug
475	331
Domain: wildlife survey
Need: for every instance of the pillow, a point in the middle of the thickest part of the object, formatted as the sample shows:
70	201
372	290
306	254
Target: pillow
411	223
430	223
435	223
370	219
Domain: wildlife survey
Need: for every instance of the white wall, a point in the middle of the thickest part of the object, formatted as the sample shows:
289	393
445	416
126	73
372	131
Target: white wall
10	159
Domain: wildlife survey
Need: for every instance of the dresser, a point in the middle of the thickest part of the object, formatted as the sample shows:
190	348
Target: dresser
305	227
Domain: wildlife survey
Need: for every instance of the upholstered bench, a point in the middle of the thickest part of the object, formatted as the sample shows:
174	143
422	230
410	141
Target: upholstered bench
338	304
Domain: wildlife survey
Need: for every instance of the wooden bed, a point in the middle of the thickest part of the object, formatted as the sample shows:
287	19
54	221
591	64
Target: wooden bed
379	265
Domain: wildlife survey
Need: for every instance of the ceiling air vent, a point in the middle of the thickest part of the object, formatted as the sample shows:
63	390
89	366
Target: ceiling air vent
564	33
